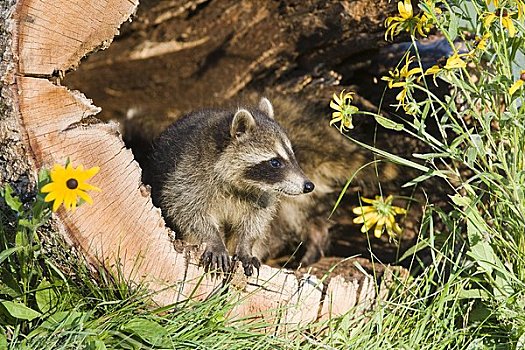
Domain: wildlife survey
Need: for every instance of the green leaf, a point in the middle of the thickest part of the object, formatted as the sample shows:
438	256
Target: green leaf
387	123
460	200
422	244
20	311
12	201
8	252
96	344
147	330
453	27
63	319
472	294
3	339
46	296
390	156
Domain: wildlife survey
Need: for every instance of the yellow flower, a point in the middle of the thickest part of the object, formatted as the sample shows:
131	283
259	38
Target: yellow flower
482	42
395	24
520	5
505	20
380	214
422	23
343	110
402	78
518	83
521	8
67	184
425	23
453	62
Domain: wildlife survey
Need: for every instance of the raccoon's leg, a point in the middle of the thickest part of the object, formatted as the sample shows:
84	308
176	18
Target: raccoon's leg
215	256
250	230
244	255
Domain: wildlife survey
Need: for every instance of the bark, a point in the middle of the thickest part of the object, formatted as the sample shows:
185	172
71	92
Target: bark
43	123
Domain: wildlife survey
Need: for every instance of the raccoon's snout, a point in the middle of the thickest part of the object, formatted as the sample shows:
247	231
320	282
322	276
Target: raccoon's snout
308	187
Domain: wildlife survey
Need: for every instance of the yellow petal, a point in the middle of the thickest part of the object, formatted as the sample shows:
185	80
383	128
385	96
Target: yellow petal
405	9
336	99
368	200
489	19
397	229
379	227
517	84
51	197
369	223
85	197
454	62
87	187
433	70
365	218
58	173
507	23
69	198
87	174
335	105
399	210
50	187
363	210
414	71
58	201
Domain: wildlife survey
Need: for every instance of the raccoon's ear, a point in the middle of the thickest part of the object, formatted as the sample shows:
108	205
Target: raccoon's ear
242	123
266	106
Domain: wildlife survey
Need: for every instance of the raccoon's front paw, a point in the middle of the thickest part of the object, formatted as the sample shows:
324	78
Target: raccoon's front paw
248	263
215	258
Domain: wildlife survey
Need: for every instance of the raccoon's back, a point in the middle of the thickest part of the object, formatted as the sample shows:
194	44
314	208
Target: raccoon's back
190	138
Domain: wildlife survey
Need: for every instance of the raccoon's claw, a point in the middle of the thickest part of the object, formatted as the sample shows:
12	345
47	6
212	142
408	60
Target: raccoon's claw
248	263
215	260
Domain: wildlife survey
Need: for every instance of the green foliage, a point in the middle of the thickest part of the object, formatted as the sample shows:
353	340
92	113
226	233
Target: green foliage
472	294
42	307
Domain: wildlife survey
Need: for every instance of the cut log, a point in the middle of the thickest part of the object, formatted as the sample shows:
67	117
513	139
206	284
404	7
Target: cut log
122	230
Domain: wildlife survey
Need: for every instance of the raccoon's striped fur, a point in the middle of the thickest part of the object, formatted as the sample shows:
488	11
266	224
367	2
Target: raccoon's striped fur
218	176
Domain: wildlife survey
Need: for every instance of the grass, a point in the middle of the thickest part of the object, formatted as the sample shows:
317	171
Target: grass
471	295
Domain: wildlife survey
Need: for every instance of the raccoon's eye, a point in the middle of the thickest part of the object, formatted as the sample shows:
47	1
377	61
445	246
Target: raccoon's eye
275	163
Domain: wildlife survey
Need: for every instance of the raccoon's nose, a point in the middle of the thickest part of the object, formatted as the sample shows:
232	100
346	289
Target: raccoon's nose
308	187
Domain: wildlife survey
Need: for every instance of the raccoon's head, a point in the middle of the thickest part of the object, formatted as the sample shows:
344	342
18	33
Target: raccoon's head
260	156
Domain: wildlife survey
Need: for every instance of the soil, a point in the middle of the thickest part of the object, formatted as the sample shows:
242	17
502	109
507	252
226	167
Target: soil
177	56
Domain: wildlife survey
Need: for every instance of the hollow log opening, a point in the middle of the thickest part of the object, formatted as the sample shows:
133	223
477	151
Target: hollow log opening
174	57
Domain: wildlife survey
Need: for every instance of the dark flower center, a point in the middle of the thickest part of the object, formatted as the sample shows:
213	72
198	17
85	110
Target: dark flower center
72	184
522	76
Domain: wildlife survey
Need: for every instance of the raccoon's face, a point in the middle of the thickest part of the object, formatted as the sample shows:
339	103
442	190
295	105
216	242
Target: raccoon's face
261	154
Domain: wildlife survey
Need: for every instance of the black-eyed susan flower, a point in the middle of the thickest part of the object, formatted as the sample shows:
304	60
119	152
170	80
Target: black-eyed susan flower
405	20
402	78
344	110
456	61
481	43
505	20
453	62
381	214
68	184
520	5
518	83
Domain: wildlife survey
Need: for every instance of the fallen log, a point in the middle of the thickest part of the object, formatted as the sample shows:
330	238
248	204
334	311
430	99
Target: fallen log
44	123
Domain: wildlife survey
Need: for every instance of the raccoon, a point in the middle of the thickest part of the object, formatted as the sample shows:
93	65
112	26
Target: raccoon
329	160
218	177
